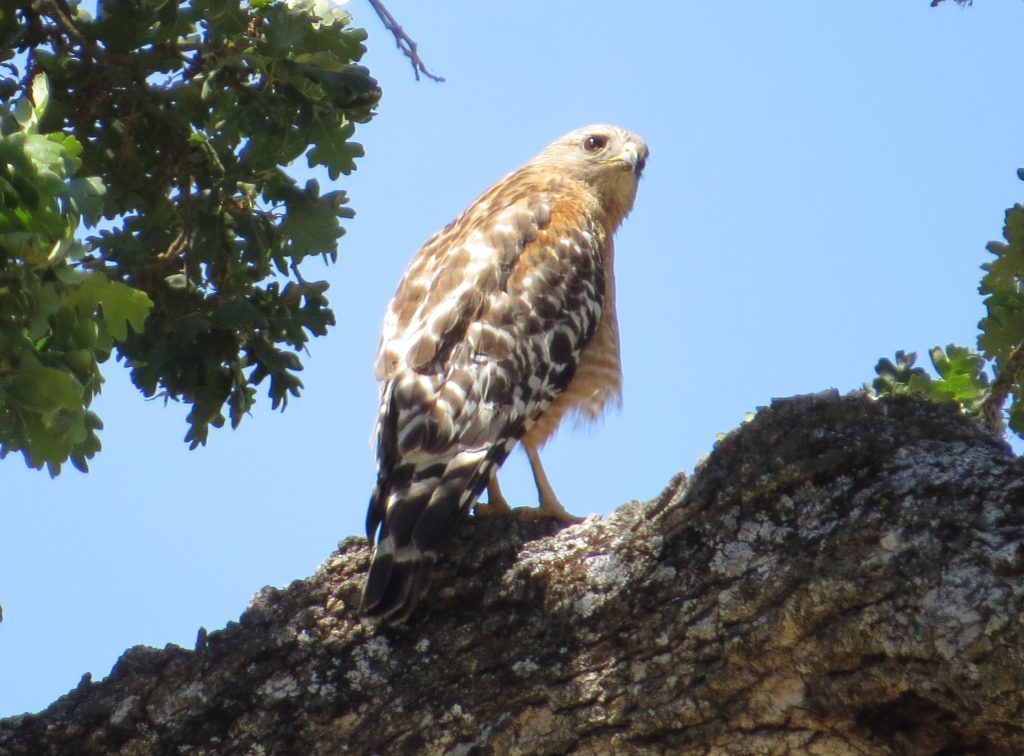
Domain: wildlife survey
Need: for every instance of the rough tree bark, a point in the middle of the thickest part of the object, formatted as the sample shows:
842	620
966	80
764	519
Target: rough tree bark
839	576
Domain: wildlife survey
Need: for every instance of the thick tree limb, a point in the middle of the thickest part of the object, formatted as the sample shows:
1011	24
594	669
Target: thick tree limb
840	576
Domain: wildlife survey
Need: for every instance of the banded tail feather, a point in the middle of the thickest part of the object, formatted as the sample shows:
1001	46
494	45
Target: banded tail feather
410	522
397	579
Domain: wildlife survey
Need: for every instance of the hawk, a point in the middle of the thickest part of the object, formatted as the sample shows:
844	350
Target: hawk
503	324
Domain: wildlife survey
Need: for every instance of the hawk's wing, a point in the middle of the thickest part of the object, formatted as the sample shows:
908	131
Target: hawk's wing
485	330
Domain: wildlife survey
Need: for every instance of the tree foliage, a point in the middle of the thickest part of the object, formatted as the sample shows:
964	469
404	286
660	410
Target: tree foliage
961	378
146	210
1002	330
963	374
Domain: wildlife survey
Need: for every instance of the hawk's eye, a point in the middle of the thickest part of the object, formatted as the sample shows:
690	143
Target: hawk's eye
595	143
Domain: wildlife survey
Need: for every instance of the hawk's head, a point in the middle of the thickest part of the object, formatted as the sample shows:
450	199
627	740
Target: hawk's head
608	159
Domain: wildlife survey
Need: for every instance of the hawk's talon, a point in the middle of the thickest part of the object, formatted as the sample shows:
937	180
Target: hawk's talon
497	505
546	512
550	507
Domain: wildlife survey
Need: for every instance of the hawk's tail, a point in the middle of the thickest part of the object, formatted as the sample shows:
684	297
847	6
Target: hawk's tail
397	579
416	509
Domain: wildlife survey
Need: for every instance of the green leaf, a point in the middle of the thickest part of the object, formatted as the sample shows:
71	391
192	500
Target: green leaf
310	228
962	375
25	114
961	378
44	390
238	313
44	151
120	305
40	93
333	149
1002	330
894	377
86	198
349	87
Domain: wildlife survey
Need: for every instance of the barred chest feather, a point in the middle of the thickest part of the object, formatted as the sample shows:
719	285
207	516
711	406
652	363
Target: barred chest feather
597	383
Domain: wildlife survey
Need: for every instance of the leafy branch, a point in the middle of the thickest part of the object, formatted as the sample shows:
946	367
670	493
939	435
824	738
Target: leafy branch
166	128
961	379
963	373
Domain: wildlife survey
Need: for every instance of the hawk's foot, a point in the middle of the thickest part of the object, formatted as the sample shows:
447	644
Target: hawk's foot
496	505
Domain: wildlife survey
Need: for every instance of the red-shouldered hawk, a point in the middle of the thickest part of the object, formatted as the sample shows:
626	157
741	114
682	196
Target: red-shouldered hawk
503	323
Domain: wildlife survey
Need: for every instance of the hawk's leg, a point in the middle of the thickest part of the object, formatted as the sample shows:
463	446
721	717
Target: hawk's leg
496	503
550	506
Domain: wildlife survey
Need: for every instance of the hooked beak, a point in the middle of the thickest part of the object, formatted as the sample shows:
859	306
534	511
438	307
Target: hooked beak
634	157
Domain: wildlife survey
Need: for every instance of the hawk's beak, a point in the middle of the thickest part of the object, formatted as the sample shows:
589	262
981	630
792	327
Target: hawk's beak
634	157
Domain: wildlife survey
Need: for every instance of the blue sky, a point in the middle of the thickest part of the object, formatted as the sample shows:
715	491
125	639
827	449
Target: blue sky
822	182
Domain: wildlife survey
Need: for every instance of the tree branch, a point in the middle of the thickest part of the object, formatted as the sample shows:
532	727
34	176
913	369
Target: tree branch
840	576
1007	378
53	10
403	41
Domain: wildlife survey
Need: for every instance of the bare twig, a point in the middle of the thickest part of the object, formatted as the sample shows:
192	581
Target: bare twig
404	42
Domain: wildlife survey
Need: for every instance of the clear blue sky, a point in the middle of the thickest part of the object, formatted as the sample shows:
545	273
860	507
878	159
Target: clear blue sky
822	182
